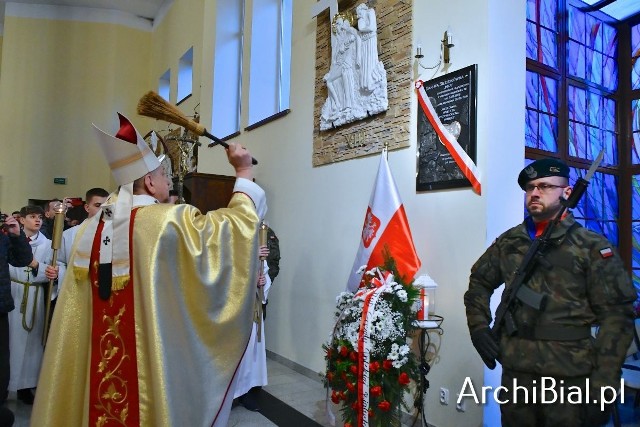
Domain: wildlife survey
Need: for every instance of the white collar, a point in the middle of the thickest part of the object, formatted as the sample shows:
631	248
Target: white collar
143	200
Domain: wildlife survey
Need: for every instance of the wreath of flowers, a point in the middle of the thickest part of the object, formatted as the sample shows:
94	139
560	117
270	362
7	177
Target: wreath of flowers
392	365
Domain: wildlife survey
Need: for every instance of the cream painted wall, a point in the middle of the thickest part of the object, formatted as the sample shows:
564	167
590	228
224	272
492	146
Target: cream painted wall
318	212
58	77
180	29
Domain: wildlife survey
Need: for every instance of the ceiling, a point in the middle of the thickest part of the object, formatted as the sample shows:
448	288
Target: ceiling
147	9
618	9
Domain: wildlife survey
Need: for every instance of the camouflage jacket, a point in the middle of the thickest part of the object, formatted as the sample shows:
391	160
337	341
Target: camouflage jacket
273	259
586	284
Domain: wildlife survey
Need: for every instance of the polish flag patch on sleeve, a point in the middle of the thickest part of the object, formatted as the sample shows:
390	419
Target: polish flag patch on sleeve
606	252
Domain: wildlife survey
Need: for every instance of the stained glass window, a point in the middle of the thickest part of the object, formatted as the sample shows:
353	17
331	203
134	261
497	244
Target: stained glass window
635	54
542	33
592	49
598	207
578	106
542	112
635	227
592	125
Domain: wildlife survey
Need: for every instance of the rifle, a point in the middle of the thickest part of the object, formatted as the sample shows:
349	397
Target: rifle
516	290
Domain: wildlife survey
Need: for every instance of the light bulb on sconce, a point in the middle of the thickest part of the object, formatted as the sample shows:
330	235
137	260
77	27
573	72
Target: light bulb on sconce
445	45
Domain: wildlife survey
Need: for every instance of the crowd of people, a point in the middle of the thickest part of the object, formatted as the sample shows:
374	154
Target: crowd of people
135	290
102	277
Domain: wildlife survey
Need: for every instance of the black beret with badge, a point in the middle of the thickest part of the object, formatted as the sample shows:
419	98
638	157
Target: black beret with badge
541	169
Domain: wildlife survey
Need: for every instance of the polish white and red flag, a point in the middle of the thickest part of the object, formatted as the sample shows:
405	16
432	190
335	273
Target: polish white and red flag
385	226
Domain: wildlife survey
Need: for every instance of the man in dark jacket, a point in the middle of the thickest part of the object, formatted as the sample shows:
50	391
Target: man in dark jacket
14	250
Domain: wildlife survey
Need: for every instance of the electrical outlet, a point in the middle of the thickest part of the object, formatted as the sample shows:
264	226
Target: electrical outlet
460	406
444	396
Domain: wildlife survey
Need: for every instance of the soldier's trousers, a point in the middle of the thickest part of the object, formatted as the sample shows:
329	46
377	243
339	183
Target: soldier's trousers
530	401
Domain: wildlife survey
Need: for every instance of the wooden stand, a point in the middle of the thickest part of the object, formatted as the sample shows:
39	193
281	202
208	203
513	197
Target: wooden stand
208	191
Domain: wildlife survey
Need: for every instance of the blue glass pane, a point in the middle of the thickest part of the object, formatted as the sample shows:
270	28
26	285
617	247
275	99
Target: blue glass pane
594	225
594	33
594	144
532	42
608	114
610	73
635	54
548	132
594	109
635	149
577	140
635	73
610	149
531	10
532	90
635	127
577	104
598	207
635	199
549	48
576	25
548	14
548	95
609	41
576	59
594	69
531	129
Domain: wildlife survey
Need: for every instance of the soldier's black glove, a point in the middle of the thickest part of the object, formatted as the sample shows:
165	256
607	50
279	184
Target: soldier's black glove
595	417
487	346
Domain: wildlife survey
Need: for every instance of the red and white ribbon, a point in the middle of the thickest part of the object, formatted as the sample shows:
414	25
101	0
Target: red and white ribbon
462	159
364	346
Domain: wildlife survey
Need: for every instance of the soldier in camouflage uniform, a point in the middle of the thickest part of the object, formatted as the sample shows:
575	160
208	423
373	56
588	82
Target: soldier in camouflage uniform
586	285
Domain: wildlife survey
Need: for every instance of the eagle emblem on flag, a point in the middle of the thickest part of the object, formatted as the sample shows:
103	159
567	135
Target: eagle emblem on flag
370	228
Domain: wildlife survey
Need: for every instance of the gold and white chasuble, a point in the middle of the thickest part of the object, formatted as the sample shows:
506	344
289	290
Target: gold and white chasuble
192	289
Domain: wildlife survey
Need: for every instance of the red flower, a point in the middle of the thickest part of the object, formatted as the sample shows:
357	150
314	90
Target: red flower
376	391
351	387
387	365
344	351
342	396
371	413
353	356
374	367
343	375
354	406
329	353
354	369
330	376
404	378
384	405
348	425
335	398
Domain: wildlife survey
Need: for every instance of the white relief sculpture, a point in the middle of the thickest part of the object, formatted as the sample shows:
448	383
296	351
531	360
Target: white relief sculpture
356	81
371	69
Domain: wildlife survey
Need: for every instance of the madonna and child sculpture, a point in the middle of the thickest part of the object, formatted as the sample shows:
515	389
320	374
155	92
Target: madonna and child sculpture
356	81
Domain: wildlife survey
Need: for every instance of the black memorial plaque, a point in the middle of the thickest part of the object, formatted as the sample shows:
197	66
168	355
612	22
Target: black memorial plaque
453	97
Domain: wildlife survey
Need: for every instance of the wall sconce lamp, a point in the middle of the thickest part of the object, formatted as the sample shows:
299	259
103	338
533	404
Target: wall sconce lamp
445	45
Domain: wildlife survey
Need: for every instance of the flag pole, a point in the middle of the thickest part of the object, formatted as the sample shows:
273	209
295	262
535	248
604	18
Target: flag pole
385	150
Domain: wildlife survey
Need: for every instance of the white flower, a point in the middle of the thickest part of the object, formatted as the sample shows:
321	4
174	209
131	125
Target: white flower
402	295
404	350
399	363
